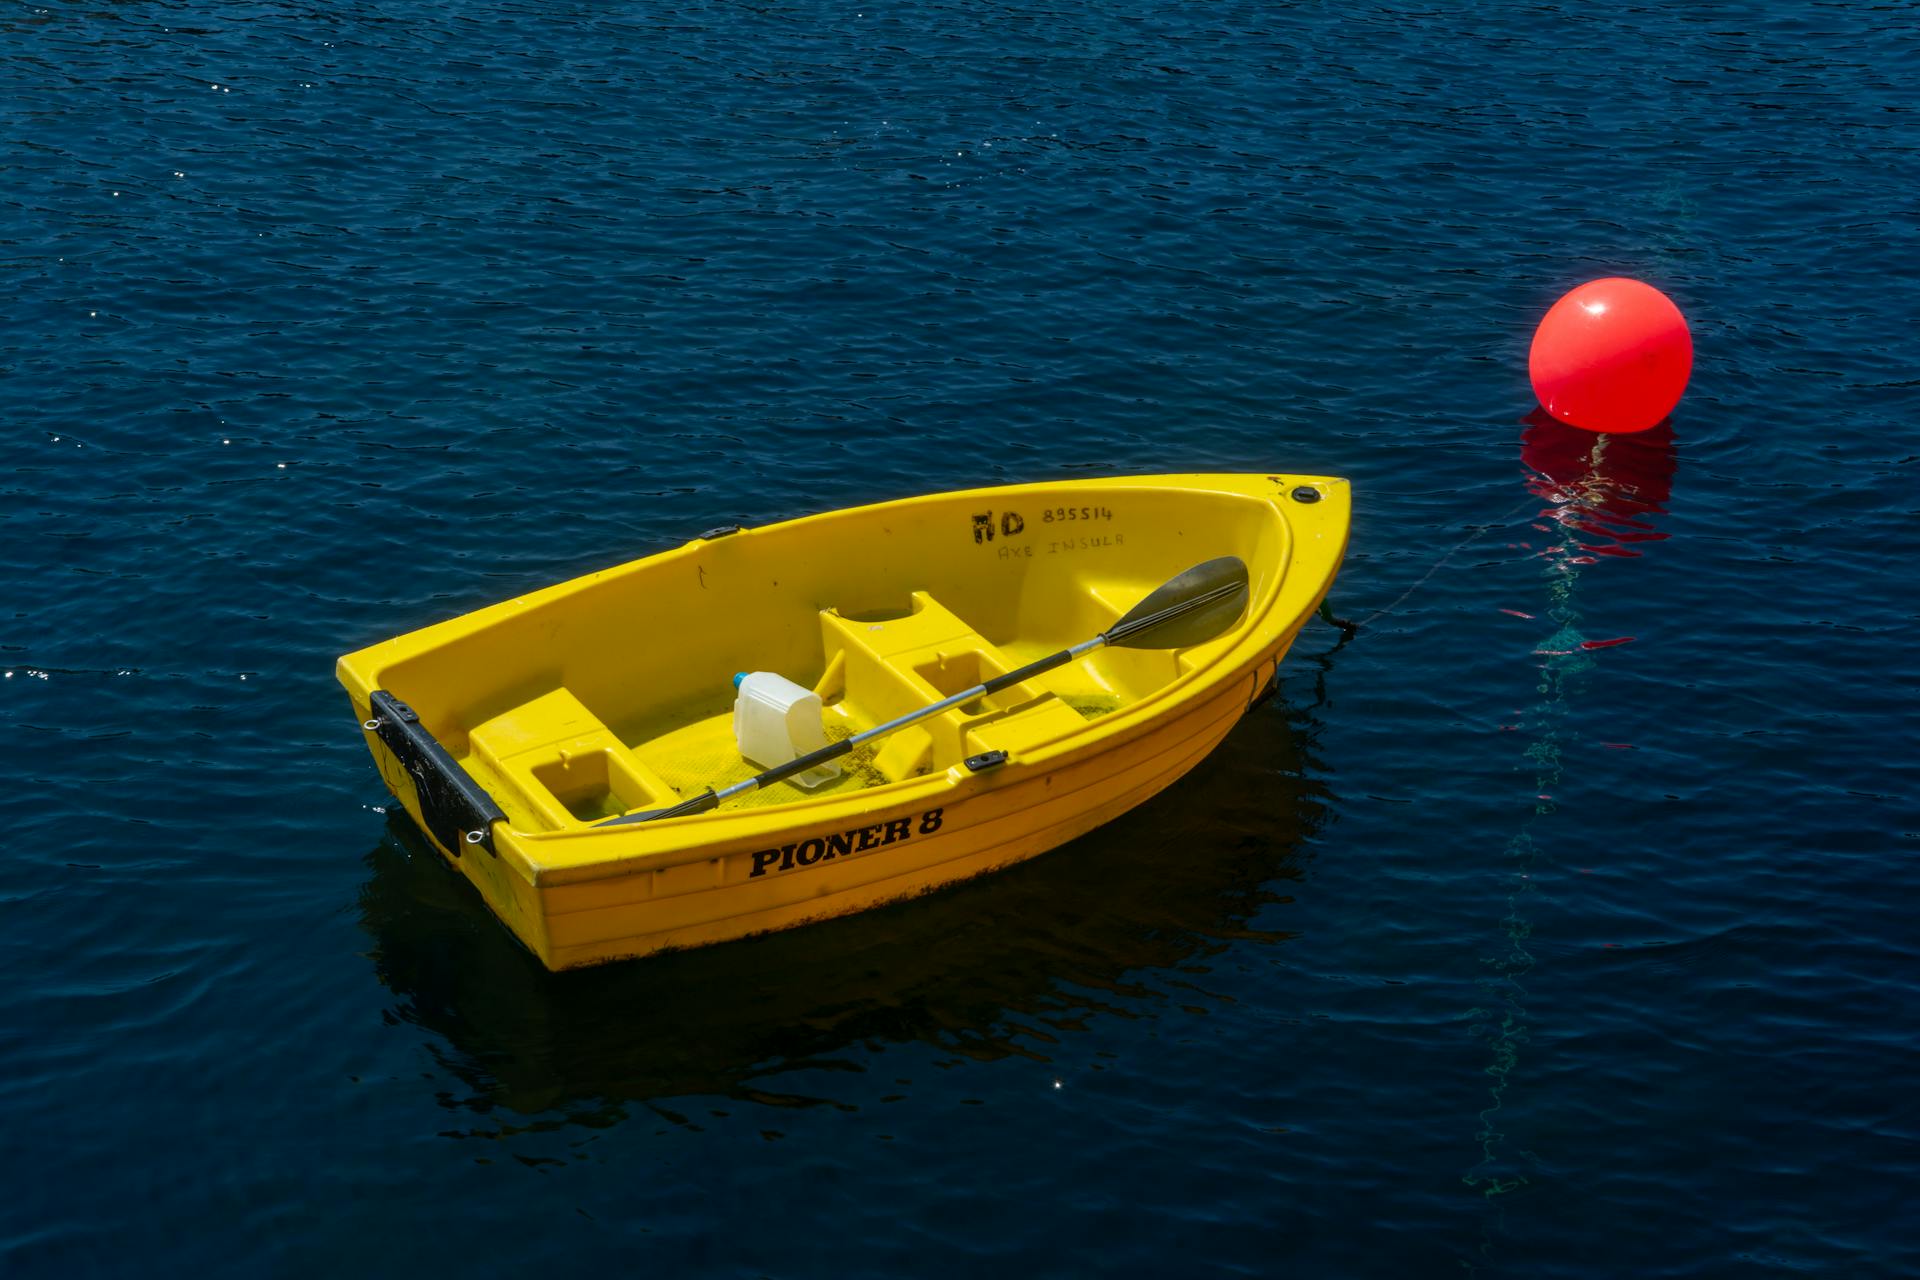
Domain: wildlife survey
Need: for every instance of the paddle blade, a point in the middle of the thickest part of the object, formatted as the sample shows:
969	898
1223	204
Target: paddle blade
1190	609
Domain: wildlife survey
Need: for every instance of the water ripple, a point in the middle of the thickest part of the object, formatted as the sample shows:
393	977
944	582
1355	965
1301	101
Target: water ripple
1567	894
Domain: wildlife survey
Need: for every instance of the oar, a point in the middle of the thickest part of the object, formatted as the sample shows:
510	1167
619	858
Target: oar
1190	609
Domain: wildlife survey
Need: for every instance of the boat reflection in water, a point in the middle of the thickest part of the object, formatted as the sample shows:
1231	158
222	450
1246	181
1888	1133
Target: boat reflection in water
1002	965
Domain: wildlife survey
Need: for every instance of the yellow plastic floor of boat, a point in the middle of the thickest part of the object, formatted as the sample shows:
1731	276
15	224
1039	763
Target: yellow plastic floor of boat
1092	706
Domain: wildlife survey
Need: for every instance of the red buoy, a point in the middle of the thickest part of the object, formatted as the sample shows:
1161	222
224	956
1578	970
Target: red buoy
1613	355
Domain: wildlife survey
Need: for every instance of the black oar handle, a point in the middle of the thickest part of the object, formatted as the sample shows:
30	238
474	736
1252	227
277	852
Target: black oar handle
708	799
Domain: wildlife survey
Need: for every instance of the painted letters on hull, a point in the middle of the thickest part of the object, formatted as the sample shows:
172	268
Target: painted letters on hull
842	844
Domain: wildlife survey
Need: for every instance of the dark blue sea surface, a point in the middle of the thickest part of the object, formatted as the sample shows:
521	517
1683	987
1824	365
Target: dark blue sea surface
1487	947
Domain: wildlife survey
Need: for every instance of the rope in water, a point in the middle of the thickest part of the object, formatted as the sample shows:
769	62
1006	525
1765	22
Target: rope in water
1351	629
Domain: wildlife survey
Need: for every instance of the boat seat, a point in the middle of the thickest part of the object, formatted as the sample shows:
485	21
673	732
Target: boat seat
564	764
880	670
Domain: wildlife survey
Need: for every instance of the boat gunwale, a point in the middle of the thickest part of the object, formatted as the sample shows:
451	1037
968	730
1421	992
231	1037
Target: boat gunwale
475	620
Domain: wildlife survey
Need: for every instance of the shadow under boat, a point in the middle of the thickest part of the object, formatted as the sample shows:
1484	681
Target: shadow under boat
993	967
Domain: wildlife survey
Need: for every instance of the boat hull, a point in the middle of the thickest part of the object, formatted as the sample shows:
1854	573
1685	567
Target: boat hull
584	894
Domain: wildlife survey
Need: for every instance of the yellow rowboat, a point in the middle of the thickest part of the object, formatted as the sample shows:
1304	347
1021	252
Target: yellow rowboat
573	751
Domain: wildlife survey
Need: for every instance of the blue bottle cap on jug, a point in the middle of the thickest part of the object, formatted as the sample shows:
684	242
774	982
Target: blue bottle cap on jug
738	676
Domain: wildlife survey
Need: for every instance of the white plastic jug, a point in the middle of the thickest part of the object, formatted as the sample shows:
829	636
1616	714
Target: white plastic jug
776	720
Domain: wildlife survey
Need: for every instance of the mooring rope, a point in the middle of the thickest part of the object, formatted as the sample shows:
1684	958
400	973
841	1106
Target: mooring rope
1351	629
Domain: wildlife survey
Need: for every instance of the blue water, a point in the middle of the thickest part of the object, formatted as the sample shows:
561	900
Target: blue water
1476	951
